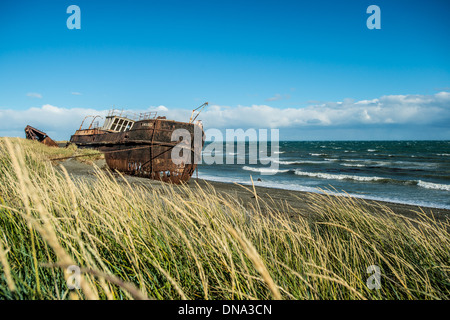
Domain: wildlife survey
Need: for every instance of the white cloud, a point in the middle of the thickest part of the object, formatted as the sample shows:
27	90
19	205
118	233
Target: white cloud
58	123
391	110
34	95
159	108
278	96
76	93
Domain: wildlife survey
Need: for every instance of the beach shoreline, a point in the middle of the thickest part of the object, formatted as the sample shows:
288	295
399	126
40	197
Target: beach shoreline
297	201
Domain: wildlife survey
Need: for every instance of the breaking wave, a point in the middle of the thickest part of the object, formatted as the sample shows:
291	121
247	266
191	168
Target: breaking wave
264	170
297	162
435	186
338	176
330	176
352	165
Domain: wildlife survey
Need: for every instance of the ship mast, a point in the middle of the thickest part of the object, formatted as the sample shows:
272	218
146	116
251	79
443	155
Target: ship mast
192	119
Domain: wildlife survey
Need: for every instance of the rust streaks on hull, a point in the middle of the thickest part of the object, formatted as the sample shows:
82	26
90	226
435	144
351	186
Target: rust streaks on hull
144	149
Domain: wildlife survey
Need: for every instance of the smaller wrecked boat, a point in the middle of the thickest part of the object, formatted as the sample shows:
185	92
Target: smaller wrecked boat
37	135
141	144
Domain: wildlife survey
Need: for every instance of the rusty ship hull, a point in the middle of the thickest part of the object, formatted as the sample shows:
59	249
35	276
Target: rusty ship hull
145	148
37	135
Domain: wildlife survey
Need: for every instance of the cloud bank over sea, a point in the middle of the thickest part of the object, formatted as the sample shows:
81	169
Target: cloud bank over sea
400	113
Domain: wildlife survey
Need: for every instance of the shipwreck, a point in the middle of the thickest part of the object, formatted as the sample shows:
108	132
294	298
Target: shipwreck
142	144
37	135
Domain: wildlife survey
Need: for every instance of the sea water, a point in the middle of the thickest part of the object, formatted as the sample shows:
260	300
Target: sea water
410	172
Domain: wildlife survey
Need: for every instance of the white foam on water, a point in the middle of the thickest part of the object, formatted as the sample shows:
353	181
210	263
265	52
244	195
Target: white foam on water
336	176
296	187
266	184
330	176
435	186
285	162
264	170
352	165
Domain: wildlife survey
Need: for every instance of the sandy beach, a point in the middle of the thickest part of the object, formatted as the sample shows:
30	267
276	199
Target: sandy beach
295	201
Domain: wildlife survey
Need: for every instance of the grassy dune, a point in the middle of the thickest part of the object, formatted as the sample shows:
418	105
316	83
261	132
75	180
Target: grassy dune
137	242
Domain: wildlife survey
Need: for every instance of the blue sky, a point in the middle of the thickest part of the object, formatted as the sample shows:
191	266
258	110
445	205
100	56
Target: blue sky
285	55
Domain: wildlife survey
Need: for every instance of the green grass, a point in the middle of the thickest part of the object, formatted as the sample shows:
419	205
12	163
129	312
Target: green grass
136	242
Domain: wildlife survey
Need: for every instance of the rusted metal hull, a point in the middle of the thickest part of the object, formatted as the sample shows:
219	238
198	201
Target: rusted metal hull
146	149
35	134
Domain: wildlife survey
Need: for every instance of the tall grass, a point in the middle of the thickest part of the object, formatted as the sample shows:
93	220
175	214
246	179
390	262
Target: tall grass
136	242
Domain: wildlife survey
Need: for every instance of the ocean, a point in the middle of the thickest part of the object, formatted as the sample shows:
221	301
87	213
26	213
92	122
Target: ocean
409	172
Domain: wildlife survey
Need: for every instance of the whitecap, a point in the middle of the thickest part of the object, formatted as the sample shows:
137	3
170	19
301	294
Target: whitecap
264	170
352	165
337	176
435	186
297	162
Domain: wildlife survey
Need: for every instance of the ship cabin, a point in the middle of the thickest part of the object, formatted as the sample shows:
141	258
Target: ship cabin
118	121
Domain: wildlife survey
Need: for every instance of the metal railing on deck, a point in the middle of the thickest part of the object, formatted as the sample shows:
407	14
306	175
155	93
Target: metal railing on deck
132	115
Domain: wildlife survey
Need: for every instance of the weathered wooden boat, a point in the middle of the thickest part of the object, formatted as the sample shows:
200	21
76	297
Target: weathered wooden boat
142	144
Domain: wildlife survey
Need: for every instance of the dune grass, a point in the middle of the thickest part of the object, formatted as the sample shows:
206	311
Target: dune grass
180	242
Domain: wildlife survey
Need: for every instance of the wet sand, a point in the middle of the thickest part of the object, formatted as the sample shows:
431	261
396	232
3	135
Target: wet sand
296	202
